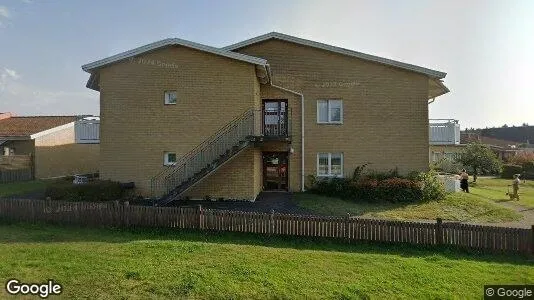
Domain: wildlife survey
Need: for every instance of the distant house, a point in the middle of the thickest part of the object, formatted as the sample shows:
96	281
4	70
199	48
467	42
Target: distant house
48	145
504	149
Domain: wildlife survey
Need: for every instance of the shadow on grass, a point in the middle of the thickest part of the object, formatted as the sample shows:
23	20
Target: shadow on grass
46	233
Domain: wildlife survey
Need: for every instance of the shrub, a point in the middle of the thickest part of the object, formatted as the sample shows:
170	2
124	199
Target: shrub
432	188
399	190
358	171
93	191
370	190
448	166
335	187
509	170
383	175
528	170
522	158
528	166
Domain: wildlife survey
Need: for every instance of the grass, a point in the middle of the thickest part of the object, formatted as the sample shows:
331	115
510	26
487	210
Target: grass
495	189
147	264
477	206
21	188
456	207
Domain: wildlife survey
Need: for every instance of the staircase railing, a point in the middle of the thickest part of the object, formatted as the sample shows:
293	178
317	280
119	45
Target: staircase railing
230	135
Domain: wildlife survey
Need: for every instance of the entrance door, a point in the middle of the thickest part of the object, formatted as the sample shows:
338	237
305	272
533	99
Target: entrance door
275	117
275	170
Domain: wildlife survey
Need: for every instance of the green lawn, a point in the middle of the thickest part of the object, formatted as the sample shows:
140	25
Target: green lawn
477	206
496	188
20	188
100	263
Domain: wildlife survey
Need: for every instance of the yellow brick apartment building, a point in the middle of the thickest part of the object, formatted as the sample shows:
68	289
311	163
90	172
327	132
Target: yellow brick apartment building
186	120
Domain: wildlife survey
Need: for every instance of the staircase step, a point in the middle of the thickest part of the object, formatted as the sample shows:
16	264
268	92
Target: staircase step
226	155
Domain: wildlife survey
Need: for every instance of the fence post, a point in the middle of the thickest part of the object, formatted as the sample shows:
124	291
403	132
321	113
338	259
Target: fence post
347	225
271	222
115	221
126	214
199	210
439	231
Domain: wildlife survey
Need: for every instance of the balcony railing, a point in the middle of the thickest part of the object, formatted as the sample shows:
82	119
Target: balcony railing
276	124
444	132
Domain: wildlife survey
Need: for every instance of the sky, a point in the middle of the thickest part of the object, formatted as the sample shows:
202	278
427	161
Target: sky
486	47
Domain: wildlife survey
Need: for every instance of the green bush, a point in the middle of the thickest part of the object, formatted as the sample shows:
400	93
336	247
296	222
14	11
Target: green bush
399	190
447	165
432	188
508	171
93	191
382	175
370	190
415	187
528	170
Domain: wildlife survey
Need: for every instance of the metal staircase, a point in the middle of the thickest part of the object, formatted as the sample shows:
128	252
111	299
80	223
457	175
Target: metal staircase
206	158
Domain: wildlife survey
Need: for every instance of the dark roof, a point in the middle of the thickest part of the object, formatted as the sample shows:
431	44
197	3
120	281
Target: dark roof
473	137
26	126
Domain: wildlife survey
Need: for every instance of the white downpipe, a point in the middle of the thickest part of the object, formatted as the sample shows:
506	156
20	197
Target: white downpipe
301	129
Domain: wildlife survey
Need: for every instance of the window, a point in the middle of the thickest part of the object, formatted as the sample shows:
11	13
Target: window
330	111
450	155
330	164
169	158
170	97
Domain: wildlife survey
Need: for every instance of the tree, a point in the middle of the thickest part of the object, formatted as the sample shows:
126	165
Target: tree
480	158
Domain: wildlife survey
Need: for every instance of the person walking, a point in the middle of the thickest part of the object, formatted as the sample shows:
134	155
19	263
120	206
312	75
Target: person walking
464	185
515	186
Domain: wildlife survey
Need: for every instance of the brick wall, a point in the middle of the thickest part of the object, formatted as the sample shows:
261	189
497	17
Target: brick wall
385	108
57	154
137	128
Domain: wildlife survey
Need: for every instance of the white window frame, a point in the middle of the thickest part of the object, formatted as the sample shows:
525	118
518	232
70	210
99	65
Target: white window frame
330	165
166	161
167	98
328	110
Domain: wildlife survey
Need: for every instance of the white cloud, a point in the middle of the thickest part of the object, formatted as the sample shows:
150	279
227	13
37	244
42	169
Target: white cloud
10	73
4	15
25	99
4	12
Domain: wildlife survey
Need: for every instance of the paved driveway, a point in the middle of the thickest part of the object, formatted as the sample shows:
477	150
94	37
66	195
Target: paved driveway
280	202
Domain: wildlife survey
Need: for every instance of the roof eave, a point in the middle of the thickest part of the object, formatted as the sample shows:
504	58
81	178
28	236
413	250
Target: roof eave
15	138
171	42
377	59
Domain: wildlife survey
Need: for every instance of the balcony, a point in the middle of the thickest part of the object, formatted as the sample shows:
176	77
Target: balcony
444	132
275	118
87	130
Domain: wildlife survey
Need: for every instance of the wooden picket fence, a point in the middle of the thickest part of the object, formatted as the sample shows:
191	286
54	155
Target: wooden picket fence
113	214
15	175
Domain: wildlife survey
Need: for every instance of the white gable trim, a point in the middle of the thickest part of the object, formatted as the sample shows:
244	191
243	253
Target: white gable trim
171	42
51	130
382	60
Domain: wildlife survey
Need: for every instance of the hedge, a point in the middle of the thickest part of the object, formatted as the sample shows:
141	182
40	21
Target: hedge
92	191
369	189
509	170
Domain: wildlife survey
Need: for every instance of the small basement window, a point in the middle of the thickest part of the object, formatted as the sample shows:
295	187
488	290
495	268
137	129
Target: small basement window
169	158
170	97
